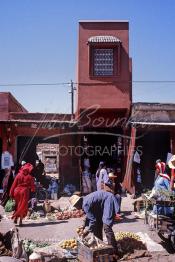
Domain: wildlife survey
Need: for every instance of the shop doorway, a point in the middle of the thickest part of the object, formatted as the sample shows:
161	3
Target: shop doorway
28	147
152	146
105	145
49	155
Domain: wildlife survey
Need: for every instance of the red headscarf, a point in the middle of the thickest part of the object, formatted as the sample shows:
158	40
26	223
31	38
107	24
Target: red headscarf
27	167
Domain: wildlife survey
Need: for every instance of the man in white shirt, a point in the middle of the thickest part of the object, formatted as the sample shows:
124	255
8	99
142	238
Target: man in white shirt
6	160
101	176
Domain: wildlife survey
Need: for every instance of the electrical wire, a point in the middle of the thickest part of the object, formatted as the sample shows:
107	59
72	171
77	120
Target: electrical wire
86	83
34	84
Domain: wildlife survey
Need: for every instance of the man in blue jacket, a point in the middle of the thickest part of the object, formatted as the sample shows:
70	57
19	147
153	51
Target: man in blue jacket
100	208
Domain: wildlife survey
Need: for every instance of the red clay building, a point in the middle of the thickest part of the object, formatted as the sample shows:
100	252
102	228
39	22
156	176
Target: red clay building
103	105
104	71
21	132
104	83
103	112
155	135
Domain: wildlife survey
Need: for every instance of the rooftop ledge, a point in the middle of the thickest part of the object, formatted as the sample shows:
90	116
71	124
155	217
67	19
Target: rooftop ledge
102	21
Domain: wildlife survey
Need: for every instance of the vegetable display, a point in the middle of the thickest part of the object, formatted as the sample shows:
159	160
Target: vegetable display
127	242
69	214
34	216
69	244
30	245
10	205
79	231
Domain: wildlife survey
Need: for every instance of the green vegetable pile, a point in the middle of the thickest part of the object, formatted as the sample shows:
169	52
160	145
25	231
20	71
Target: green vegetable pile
30	245
34	216
10	205
166	195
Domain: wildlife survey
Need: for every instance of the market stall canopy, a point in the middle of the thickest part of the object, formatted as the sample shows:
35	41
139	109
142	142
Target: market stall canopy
153	114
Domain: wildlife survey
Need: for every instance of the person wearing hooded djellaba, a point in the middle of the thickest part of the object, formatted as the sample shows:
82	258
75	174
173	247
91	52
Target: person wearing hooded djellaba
20	192
100	208
101	176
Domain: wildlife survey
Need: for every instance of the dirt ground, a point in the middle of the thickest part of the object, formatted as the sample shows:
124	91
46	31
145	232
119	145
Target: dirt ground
55	231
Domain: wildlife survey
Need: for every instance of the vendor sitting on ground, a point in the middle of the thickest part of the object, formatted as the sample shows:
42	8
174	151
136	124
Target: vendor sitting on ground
160	192
100	208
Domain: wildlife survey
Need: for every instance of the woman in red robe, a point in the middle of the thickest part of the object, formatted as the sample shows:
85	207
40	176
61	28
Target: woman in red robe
20	192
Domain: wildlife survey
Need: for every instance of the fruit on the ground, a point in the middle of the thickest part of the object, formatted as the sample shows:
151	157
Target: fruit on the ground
69	244
120	235
127	242
69	214
79	231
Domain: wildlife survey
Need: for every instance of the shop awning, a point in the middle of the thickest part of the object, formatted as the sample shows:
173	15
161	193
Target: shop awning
152	123
153	114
